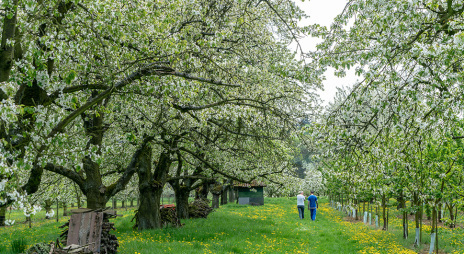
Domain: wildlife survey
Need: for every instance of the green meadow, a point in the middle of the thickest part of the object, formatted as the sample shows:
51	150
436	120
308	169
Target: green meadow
272	228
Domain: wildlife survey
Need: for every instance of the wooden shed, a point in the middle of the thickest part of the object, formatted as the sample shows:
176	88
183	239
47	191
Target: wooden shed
250	193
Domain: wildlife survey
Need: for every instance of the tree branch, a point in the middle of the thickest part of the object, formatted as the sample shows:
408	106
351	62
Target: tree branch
130	170
75	177
215	170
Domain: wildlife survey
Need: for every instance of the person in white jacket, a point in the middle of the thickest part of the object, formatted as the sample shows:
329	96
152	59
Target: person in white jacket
300	199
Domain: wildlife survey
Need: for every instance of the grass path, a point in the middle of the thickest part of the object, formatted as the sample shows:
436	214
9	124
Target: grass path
272	228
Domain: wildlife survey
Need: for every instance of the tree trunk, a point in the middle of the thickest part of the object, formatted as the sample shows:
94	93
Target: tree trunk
417	220
450	209
405	225
231	193
151	188
384	204
57	210
7	49
388	217
428	211
131	202
115	203
93	187
364	212
29	221
78	201
224	195
2	216
433	232
216	190
123	203
149	210
440	213
96	200
405	219
182	195
48	208
202	191
65	208
216	200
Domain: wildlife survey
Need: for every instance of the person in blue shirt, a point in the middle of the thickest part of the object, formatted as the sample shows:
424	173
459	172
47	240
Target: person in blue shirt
313	205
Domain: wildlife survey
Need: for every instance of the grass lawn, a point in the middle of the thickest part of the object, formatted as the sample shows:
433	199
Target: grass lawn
272	228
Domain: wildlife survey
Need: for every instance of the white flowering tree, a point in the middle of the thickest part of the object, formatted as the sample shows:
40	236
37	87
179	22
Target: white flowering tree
91	90
398	127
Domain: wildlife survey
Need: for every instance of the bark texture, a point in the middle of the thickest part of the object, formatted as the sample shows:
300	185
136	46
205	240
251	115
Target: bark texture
151	187
182	204
2	216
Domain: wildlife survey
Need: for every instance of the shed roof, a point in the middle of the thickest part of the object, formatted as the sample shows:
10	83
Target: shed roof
253	183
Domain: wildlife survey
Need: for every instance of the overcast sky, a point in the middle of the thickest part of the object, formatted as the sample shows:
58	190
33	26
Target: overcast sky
323	12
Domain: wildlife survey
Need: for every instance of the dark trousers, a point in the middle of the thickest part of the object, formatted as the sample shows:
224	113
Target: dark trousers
301	211
313	213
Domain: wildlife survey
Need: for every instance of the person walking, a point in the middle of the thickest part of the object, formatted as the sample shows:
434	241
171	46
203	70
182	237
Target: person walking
313	205
300	198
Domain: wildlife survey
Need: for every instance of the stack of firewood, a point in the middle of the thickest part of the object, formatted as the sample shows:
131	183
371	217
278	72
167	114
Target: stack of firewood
199	208
169	217
64	234
109	242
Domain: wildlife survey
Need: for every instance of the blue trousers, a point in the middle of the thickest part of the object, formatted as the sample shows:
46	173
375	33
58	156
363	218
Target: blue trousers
301	211
313	213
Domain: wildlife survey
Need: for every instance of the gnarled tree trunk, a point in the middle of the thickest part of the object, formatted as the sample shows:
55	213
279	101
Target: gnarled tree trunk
231	193
2	216
151	187
216	191
182	194
224	194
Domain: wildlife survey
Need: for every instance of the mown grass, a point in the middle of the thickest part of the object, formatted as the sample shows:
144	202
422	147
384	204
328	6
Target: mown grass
272	228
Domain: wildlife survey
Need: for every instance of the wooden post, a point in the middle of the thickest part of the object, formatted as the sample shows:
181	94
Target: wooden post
388	216
436	234
420	223
57	213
